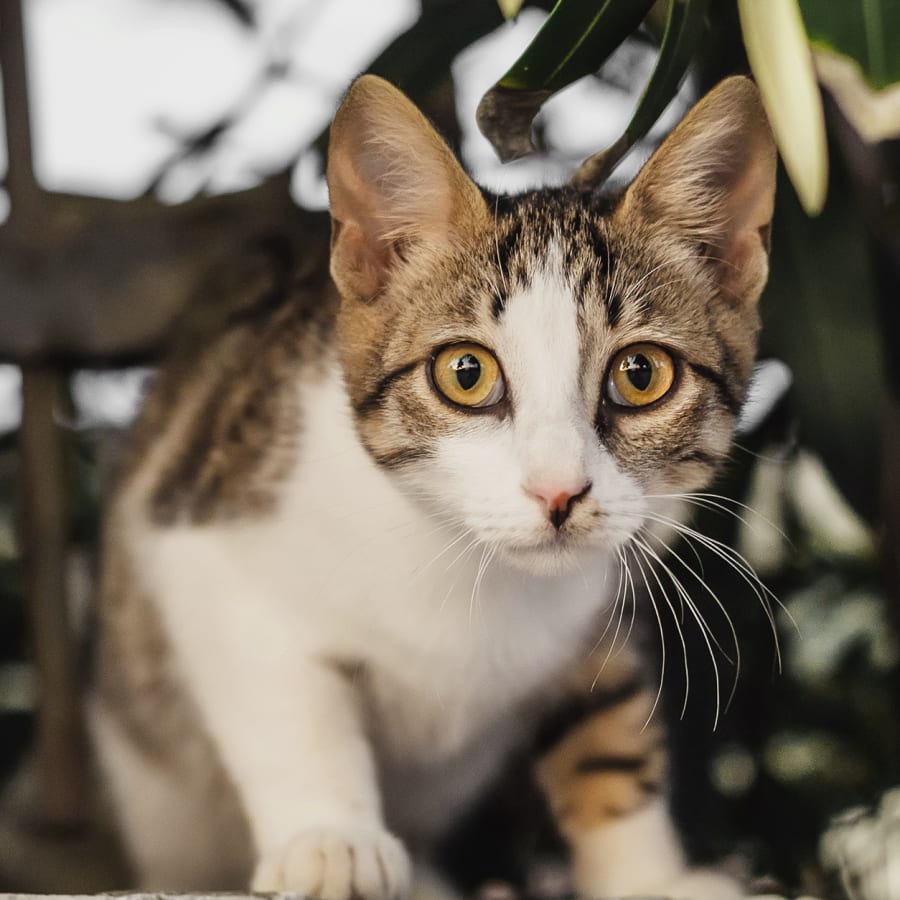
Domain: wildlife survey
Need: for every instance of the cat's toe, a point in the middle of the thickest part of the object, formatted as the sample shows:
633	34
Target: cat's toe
332	864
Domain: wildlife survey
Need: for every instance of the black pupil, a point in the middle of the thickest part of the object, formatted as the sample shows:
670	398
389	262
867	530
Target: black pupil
468	371
639	370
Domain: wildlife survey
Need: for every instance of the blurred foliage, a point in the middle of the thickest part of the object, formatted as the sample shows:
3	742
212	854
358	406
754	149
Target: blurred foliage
577	38
866	31
12	633
820	315
794	747
819	732
580	35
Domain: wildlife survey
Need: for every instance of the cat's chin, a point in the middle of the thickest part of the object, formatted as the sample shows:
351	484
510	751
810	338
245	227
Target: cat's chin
550	558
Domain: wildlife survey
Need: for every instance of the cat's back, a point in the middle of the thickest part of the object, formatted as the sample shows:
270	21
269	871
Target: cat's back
217	434
218	428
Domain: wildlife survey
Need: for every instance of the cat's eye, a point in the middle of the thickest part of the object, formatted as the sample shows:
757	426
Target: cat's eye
640	374
468	375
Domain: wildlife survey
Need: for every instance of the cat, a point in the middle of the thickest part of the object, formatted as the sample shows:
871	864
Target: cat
367	539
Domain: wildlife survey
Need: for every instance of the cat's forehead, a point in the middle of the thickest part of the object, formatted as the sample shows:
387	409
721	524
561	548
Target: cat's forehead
531	227
561	248
617	280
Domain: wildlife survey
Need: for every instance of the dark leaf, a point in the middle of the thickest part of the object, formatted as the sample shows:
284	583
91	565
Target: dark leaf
681	37
577	38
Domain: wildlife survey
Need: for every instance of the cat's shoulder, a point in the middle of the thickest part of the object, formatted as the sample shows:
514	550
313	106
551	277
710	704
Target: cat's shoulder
220	422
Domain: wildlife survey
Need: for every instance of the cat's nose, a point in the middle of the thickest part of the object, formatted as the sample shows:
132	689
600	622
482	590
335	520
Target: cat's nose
557	501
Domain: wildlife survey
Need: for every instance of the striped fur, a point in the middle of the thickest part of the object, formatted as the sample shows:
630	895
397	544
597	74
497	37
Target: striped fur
334	601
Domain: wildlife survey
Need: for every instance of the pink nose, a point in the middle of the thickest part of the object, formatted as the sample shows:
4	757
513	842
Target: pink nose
557	501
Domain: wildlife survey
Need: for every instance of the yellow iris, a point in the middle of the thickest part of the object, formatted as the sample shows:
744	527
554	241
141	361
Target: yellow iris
640	375
468	375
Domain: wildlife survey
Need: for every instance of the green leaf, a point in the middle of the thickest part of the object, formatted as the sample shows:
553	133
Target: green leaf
510	8
781	62
683	28
867	31
577	38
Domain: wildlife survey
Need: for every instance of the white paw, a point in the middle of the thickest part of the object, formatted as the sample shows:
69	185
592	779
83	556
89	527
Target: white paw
338	864
704	884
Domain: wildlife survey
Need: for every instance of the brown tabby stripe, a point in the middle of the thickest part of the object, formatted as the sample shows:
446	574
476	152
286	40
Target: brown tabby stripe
231	457
373	401
624	764
613	308
557	725
700	456
726	391
396	459
530	224
649	786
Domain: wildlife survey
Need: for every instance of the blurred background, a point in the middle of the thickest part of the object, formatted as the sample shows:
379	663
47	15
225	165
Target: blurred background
160	154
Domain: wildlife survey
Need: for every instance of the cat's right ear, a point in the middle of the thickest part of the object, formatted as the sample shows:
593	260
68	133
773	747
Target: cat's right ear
713	181
397	193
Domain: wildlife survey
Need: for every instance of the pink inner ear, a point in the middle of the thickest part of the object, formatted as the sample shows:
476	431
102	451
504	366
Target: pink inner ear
358	264
713	179
397	191
744	265
749	206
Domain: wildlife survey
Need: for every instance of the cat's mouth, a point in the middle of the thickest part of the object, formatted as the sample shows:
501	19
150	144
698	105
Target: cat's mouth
550	554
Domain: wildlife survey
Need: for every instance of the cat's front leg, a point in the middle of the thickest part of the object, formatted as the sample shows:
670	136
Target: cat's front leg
291	737
605	778
318	825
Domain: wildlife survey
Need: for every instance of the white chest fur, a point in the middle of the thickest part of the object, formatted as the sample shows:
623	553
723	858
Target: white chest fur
350	572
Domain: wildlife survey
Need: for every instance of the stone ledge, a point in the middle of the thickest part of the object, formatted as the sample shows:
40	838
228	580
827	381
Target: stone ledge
238	896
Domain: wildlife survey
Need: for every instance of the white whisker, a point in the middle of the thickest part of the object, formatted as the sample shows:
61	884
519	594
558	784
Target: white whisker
705	630
690	602
487	554
617	598
734	560
447	547
634	288
662	636
687	675
740	565
615	638
503	274
628	633
719	501
462	553
736	663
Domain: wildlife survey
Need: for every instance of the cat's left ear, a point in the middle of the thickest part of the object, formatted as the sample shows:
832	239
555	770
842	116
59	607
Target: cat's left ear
397	193
713	180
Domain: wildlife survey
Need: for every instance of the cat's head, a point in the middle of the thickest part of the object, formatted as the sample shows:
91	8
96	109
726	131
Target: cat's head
540	369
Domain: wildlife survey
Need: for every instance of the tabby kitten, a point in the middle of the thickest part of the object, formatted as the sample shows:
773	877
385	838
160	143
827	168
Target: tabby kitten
368	538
